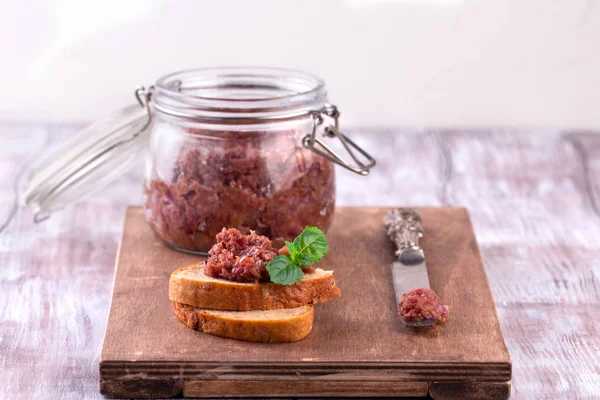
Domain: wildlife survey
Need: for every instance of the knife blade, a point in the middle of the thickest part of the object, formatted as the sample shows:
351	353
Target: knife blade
410	271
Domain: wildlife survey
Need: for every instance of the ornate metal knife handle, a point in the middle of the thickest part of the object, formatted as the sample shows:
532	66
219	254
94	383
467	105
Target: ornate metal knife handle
404	230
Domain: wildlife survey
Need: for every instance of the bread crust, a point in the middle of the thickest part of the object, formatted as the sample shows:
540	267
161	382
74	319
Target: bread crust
271	330
225	295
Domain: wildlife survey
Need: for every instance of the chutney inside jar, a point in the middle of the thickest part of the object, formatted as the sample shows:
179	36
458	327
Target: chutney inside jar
263	181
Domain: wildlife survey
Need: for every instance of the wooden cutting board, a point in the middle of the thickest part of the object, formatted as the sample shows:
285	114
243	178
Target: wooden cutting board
358	347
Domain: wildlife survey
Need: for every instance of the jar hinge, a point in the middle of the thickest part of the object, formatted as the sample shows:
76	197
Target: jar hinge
312	142
143	97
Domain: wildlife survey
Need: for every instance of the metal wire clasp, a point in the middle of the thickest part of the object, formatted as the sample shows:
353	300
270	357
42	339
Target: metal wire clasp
143	96
312	142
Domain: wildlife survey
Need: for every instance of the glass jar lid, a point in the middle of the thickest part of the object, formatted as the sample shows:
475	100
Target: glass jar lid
87	161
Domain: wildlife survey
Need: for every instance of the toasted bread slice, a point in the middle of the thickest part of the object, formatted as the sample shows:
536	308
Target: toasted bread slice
190	285
268	326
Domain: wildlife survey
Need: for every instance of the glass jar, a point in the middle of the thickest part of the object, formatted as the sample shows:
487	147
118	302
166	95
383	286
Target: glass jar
228	147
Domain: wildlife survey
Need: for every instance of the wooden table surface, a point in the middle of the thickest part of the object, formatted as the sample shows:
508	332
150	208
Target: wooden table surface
534	198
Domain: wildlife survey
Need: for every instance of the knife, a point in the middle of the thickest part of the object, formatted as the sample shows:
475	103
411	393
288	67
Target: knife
409	272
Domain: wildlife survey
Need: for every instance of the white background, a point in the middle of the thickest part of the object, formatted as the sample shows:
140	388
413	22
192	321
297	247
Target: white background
419	63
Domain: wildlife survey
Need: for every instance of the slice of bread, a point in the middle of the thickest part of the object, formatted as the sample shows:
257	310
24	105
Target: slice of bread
190	285
269	326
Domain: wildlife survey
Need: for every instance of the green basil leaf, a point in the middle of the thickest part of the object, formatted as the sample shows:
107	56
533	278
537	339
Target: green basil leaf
291	249
283	271
297	258
303	259
311	246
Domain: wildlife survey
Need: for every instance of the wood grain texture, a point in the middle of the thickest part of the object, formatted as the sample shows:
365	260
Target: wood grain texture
298	388
469	390
533	196
358	335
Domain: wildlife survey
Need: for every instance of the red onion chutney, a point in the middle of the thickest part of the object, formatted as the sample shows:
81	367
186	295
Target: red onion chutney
420	304
240	258
252	181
